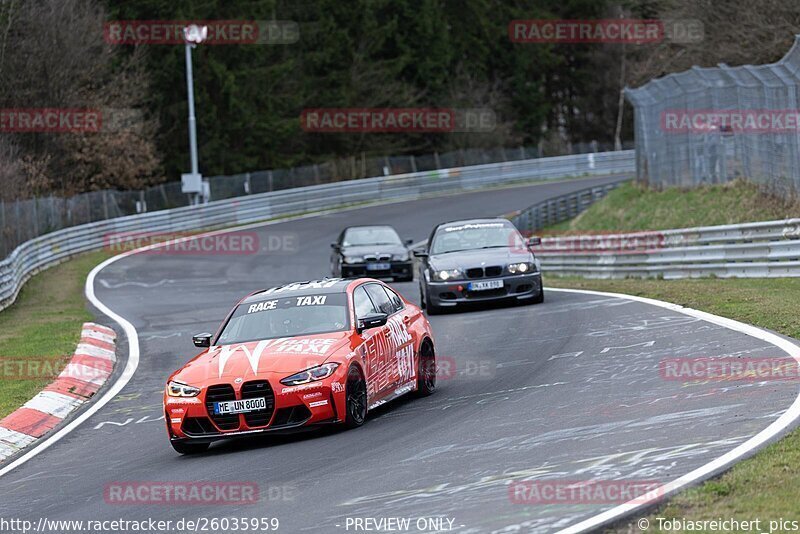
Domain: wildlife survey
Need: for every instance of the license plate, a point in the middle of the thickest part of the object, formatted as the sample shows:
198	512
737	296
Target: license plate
483	286
379	266
240	406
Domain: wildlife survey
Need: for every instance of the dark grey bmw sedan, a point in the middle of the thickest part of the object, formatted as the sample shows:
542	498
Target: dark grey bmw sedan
478	260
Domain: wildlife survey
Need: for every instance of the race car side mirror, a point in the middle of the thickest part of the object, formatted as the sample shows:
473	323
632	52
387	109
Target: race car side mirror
372	320
202	340
420	254
533	241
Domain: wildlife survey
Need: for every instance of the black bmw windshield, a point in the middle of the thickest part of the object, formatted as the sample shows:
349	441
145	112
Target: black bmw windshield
373	235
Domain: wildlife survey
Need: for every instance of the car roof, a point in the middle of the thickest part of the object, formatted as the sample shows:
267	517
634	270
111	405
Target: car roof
298	289
368	226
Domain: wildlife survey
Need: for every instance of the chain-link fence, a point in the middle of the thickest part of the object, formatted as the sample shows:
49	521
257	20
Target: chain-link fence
23	220
713	125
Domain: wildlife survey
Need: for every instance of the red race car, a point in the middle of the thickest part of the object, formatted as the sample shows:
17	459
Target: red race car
299	355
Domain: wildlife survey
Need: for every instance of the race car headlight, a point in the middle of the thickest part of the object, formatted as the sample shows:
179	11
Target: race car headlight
403	256
353	259
310	375
176	389
447	274
521	268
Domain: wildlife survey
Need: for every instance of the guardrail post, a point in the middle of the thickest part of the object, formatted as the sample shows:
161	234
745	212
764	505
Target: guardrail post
105	204
35	217
3	226
19	225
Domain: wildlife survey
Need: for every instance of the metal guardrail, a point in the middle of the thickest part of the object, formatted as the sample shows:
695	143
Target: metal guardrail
53	248
752	250
559	209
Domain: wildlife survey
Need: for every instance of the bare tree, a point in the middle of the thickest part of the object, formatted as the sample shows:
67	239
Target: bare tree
53	55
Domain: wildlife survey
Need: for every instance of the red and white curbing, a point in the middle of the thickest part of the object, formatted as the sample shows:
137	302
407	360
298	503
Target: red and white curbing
89	368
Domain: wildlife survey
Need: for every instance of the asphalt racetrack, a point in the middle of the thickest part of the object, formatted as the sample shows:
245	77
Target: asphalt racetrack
568	389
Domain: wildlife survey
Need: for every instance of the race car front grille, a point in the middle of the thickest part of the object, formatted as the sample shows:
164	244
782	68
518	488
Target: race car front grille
291	416
218	393
254	390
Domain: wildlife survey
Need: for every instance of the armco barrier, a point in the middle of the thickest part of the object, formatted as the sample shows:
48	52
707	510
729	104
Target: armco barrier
50	249
559	209
752	250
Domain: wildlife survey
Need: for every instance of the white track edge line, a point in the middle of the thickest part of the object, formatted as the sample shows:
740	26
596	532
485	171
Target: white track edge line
780	425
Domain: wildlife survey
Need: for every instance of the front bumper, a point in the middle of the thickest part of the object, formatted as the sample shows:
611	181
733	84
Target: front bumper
397	269
289	408
452	293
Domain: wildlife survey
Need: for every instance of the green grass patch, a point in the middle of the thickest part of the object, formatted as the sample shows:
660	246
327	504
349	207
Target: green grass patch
633	207
43	326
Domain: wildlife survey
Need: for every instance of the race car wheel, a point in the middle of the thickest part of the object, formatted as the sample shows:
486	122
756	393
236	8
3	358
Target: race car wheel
540	298
189	448
426	378
432	309
356	395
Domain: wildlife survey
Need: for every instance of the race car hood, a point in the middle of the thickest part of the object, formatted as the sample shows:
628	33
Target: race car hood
255	359
479	258
362	250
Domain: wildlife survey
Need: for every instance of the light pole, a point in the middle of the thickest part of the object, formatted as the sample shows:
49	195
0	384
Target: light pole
192	182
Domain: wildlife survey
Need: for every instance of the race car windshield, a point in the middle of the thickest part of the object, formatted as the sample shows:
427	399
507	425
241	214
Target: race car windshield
473	236
286	316
378	235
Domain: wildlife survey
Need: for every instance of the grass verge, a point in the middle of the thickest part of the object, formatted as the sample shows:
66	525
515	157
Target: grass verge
39	332
633	207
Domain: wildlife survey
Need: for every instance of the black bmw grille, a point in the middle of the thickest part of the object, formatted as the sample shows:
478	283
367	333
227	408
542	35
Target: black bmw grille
493	271
253	390
480	272
476	272
221	392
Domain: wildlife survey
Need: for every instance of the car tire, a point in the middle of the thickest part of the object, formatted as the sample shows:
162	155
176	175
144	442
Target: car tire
426	377
540	297
181	447
433	309
355	394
